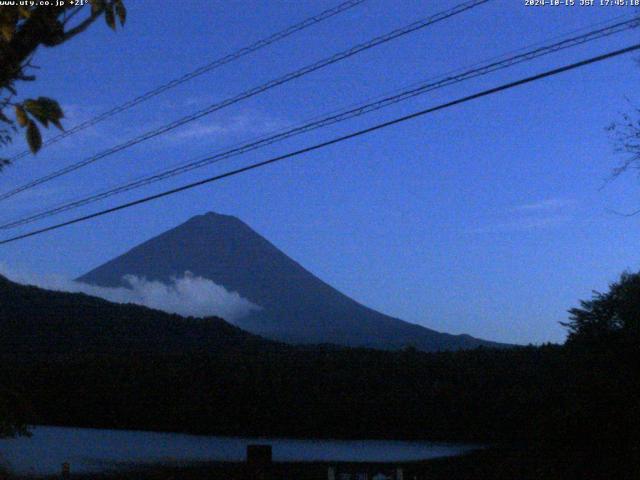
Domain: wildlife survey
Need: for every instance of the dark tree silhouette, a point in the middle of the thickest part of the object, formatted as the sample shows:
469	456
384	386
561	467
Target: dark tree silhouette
608	317
23	29
12	414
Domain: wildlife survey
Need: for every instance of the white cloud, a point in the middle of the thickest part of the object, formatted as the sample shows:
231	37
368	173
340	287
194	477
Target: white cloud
236	125
188	295
547	205
547	213
526	224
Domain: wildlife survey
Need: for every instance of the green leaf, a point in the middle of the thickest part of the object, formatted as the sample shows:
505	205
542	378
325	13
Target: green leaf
21	116
33	137
121	11
51	107
97	6
34	108
8	30
44	110
57	124
110	17
24	12
37	110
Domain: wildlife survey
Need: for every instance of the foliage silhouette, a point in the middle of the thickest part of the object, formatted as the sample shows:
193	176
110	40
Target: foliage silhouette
609	319
23	29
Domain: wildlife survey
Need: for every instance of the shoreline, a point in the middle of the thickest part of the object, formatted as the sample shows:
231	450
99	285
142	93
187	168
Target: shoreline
522	462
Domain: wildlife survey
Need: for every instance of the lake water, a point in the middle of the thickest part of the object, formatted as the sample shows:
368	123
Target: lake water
92	450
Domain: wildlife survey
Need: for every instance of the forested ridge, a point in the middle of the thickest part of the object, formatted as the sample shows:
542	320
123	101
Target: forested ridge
482	395
37	322
576	398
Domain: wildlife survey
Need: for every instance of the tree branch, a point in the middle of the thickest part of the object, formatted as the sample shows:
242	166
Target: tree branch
82	26
71	15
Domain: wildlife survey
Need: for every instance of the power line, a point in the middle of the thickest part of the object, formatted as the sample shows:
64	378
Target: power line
484	93
415	26
359	110
276	37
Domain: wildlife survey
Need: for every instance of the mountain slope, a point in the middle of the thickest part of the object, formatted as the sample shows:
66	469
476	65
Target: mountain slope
297	307
37	321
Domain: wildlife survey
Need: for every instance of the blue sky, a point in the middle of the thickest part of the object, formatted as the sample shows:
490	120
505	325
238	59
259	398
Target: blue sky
490	218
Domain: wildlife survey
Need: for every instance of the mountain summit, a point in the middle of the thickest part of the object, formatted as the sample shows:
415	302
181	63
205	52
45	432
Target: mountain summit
296	306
